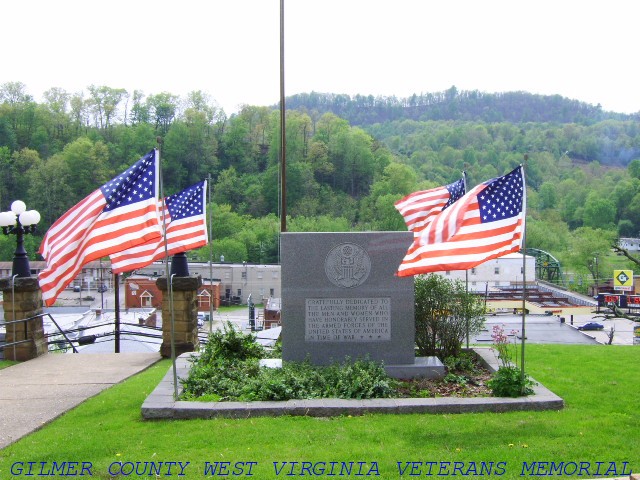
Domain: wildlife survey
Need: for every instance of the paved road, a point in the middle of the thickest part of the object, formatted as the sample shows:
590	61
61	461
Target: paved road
549	329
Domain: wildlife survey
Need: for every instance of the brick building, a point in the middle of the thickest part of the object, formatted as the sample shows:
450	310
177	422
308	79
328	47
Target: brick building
142	292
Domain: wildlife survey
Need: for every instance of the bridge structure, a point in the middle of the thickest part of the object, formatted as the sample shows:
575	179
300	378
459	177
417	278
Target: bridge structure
548	267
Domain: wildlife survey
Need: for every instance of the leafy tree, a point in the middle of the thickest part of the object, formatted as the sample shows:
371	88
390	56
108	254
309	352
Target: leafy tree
598	212
66	178
163	108
104	102
634	168
233	250
228	188
548	196
191	145
140	110
226	222
626	228
548	234
585	245
444	312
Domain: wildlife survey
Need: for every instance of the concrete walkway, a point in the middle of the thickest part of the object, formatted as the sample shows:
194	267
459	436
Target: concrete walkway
35	392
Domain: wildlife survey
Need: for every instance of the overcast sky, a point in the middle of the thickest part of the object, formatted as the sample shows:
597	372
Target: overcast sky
584	50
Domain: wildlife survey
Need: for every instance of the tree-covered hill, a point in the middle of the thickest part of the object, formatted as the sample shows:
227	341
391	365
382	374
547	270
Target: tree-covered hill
583	176
475	106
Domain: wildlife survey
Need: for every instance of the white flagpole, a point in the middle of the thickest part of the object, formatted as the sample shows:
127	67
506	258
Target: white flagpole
169	278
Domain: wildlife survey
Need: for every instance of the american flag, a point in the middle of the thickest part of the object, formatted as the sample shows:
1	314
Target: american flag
119	215
488	222
186	229
419	208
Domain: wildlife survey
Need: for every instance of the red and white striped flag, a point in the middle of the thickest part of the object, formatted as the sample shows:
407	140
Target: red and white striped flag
186	229
119	215
488	222
419	208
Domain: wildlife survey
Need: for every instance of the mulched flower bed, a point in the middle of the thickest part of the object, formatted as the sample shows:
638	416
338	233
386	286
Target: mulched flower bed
467	383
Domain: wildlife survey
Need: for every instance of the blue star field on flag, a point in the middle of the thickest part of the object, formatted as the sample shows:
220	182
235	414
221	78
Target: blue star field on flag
134	185
456	191
503	197
187	203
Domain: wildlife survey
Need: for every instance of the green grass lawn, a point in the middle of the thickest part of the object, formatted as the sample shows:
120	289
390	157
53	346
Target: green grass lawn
600	423
6	363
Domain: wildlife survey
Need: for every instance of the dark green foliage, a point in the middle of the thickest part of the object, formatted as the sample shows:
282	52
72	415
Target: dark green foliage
452	104
465	362
228	370
509	382
231	345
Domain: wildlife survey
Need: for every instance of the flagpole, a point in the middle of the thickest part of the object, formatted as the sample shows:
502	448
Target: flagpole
466	272
116	284
283	156
524	272
211	299
166	267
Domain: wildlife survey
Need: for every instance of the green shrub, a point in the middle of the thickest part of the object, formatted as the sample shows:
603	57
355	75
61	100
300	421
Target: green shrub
228	369
444	312
465	362
230	344
509	382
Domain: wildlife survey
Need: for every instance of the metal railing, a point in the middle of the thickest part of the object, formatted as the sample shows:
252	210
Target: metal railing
27	340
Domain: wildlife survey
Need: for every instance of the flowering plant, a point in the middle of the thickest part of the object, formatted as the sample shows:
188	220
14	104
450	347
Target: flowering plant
503	346
508	381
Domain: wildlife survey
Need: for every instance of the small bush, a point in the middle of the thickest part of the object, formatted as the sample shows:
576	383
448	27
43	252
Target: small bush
230	344
508	382
228	370
463	363
444	313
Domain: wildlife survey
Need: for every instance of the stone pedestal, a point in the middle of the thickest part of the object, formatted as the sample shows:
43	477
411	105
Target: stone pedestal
23	300
185	311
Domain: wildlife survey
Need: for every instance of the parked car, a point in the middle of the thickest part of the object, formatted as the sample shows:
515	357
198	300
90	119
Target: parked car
591	326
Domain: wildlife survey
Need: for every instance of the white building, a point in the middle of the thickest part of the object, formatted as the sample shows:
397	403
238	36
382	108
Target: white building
500	272
630	244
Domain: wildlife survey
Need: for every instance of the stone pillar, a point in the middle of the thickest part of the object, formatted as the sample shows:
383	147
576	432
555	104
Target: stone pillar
185	310
26	303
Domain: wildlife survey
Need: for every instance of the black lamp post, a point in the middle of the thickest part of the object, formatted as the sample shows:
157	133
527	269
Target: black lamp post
179	265
19	222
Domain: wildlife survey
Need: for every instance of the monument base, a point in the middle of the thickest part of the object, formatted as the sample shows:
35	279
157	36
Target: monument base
423	367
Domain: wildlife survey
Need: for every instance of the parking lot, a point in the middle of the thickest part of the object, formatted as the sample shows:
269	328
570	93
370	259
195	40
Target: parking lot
550	329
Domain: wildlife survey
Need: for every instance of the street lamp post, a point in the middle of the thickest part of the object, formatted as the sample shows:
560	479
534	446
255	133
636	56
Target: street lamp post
19	222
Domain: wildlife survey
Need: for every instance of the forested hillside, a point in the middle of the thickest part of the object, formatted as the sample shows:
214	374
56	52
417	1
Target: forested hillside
512	107
583	171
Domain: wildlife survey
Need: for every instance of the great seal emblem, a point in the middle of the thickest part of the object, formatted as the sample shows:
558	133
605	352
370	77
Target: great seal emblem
347	265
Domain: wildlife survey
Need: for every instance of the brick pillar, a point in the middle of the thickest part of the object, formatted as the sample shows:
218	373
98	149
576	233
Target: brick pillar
185	309
26	304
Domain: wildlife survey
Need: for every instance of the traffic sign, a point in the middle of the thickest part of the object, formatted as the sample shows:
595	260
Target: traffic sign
623	280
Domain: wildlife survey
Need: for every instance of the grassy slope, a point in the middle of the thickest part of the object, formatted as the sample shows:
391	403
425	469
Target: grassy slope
600	423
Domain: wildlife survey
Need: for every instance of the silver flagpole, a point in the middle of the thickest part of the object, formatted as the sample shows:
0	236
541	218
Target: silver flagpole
283	156
169	278
211	299
524	270
466	272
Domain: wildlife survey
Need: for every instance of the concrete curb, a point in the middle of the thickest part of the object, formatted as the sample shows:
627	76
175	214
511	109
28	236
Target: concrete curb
160	404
